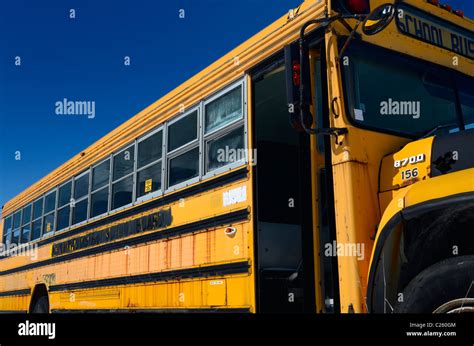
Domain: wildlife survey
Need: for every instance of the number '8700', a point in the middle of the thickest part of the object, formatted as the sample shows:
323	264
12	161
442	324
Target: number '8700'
409	160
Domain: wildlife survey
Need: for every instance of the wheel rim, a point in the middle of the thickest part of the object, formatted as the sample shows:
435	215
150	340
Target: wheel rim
456	306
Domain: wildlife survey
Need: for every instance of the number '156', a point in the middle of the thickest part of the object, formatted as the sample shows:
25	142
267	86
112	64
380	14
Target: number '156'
410	173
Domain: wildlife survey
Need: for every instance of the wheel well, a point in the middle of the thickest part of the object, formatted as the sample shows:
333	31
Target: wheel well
39	291
414	242
435	236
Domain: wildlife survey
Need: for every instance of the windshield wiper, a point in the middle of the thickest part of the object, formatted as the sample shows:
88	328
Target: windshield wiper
434	129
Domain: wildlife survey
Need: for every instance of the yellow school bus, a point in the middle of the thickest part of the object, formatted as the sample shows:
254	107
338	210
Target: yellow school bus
324	165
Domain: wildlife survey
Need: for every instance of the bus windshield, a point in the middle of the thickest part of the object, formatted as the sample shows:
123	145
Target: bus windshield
394	93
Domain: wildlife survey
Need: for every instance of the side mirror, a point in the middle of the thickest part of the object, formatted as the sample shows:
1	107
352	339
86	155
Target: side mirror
378	19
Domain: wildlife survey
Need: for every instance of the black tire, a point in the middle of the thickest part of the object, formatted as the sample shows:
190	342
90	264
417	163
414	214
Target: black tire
440	283
41	306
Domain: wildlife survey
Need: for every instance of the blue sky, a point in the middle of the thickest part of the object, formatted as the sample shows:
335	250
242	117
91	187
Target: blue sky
83	59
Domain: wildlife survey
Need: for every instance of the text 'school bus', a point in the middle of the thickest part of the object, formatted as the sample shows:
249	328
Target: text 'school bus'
324	165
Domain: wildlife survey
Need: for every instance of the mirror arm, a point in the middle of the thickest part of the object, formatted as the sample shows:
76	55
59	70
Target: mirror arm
303	106
349	39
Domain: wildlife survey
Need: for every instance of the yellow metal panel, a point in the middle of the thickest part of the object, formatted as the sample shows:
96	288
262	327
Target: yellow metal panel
214	292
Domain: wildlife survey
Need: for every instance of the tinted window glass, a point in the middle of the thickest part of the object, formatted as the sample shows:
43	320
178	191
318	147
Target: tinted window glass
414	97
6	237
80	211
25	234
183	131
16	219
81	186
50	202
150	149
26	214
99	202
48	223
184	167
224	110
122	192
65	194
63	217
38	208
16	236
7	226
149	180
36	229
123	163
100	175
226	149
466	97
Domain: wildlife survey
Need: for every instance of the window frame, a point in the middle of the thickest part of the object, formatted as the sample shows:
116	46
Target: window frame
133	146
107	186
224	130
39	218
15	227
241	82
54	212
159	192
86	196
231	165
371	48
58	208
4	230
195	143
27	223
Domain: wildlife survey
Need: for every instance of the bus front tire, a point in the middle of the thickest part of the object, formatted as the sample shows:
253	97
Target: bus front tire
442	288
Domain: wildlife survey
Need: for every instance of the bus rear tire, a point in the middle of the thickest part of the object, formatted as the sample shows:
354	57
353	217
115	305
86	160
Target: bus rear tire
445	287
41	306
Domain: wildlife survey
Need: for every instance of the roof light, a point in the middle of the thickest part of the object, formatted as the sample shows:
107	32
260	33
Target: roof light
459	13
447	7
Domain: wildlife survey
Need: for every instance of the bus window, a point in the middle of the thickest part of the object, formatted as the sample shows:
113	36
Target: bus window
65	194
182	131
100	189
413	98
183	149
231	143
7	228
123	163
184	167
466	97
223	110
150	153
150	149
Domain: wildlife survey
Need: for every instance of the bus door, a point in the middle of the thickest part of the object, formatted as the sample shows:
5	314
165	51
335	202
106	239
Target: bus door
283	201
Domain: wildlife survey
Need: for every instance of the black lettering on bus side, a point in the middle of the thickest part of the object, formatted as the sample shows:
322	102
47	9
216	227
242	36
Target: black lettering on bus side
426	32
437	36
455	43
418	28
